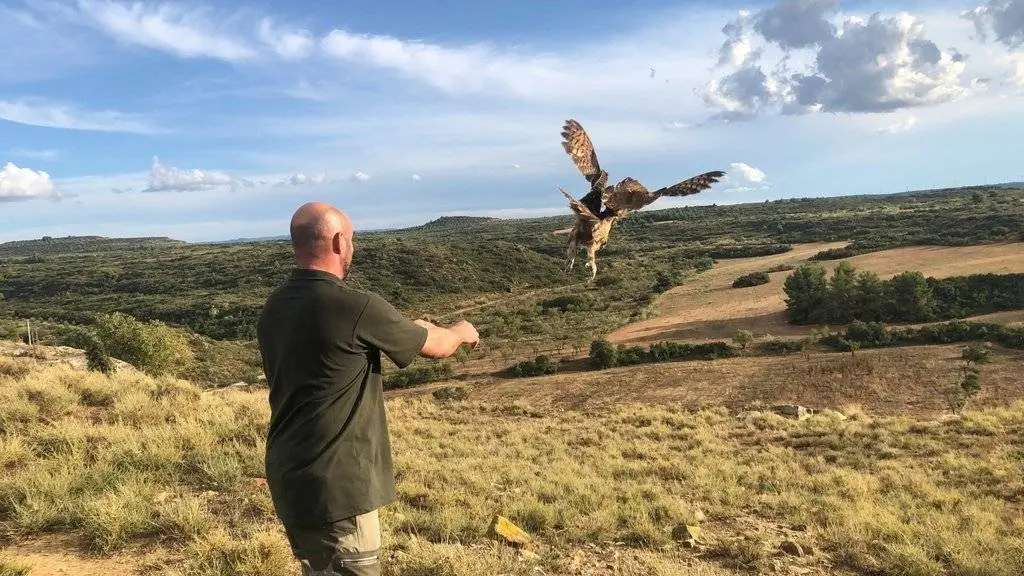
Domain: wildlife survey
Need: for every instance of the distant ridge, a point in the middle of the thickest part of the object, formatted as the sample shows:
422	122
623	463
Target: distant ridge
79	244
455	221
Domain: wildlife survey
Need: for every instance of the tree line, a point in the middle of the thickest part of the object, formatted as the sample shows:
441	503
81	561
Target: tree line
849	295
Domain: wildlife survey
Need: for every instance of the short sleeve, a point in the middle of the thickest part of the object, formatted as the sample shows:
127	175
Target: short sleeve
385	328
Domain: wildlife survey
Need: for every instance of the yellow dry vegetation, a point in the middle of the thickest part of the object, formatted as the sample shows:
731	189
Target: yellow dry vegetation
161	473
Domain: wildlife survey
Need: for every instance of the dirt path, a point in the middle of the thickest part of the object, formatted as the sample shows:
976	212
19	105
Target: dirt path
55	556
709	308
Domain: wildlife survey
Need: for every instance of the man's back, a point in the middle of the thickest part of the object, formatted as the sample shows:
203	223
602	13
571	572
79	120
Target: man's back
328	451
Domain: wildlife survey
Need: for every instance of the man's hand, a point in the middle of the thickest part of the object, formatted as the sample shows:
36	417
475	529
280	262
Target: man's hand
443	342
467	332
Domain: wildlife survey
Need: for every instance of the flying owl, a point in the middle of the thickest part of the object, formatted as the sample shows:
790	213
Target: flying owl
594	224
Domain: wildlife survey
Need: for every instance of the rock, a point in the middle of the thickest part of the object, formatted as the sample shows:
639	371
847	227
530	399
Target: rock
684	532
792	548
239	385
259	482
792	411
503	530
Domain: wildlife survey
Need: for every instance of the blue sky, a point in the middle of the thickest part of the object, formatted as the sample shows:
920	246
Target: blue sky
214	120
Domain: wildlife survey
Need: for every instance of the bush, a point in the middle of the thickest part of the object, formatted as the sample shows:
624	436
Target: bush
152	347
743	338
780	268
703	264
752	279
569	302
749	251
418	374
449	393
834	254
96	356
605	355
539	366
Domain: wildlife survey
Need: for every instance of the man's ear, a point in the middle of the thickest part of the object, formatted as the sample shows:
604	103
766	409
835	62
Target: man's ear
336	243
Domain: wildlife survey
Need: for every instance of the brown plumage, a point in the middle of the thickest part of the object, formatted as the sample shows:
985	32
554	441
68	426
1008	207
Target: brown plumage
594	225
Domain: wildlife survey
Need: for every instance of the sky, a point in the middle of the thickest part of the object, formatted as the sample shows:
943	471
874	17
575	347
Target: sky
206	120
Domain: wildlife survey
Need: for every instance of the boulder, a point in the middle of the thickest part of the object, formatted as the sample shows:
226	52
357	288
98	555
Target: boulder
792	411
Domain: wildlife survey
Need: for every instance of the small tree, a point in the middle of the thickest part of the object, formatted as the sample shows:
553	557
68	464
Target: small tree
743	338
807	294
968	381
603	354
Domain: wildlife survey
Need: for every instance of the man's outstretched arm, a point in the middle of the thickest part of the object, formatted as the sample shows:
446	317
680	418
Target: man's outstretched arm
443	342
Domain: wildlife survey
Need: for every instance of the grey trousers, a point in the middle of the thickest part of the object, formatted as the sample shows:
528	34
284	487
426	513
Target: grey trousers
348	547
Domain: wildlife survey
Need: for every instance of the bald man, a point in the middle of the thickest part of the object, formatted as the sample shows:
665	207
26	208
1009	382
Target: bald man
328	456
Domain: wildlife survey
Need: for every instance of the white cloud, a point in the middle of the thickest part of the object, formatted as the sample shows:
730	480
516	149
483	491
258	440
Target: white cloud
417	177
748	172
47	155
24	183
677	125
360	176
1016	64
172	28
878	64
288	44
48	114
170	179
901	126
471	68
300	179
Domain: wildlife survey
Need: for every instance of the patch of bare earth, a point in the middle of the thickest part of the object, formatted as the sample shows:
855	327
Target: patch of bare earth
708	307
57	556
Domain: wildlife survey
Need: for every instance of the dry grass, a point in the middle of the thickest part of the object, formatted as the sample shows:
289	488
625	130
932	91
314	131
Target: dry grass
161	468
708	307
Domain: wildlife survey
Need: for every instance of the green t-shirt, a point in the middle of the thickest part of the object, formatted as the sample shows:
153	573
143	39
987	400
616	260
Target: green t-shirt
328	450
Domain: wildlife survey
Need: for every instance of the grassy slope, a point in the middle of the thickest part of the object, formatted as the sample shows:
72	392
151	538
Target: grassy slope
163	470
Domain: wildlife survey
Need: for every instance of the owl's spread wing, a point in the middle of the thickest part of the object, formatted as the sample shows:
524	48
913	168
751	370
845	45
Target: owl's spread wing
629	195
578	207
691	186
579	147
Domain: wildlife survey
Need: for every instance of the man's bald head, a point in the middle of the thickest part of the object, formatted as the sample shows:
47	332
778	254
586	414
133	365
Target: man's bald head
321	234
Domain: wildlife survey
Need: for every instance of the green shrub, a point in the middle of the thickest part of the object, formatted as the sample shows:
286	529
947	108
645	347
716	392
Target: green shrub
96	355
752	279
418	374
835	254
152	347
539	366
